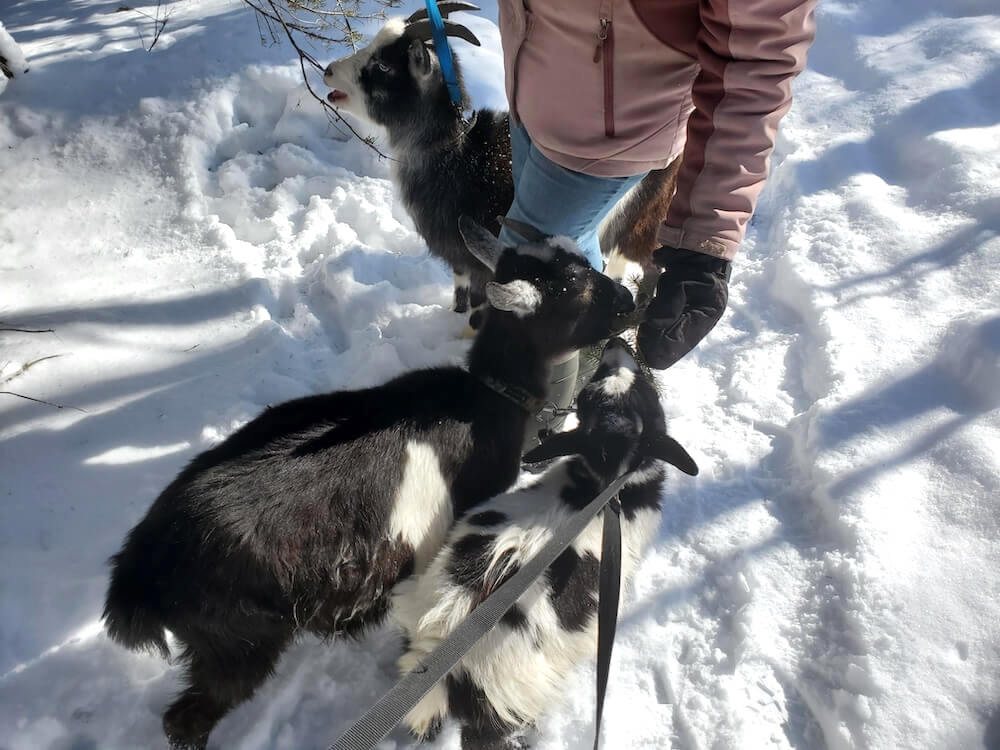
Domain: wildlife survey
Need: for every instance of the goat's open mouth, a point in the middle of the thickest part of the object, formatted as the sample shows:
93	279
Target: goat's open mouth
336	96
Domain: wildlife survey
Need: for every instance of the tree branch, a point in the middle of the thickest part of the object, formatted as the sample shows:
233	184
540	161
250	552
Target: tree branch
25	367
43	401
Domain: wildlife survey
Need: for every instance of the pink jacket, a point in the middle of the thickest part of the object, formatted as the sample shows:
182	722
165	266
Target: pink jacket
619	87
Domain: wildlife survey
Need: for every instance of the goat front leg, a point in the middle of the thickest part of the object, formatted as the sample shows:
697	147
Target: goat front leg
491	738
427	717
477	295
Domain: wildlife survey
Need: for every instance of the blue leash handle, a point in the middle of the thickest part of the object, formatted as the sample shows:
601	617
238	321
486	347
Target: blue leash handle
443	51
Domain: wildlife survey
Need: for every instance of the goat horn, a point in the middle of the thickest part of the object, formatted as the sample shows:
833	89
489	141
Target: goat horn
446	7
422	30
525	230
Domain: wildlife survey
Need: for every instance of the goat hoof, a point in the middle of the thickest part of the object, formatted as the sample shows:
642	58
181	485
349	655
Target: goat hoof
186	726
461	307
431	732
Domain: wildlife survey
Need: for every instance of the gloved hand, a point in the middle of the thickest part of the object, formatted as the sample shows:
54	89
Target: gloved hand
691	295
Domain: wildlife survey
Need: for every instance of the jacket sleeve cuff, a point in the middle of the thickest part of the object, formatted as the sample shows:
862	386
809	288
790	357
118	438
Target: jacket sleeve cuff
720	247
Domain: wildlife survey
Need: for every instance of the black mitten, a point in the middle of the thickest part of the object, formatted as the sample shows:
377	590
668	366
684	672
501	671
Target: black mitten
691	295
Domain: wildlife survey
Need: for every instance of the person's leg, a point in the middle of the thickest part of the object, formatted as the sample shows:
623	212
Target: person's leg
556	200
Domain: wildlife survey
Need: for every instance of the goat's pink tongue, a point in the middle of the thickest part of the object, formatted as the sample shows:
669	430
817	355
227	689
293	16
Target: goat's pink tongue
336	95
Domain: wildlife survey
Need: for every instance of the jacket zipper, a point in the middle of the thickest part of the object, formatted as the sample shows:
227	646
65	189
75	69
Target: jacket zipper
606	50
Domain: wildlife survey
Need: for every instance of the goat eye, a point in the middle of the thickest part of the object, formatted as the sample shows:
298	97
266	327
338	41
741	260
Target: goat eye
383	67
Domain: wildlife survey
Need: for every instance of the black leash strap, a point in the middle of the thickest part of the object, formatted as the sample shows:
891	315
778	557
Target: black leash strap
376	723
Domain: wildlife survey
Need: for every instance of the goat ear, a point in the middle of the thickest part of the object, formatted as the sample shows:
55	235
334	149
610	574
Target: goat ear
560	444
665	448
518	296
480	242
420	59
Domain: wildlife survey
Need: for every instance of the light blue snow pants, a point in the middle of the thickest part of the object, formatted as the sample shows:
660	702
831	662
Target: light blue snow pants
556	200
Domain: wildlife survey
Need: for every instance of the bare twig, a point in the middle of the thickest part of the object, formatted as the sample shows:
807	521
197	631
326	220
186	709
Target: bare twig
25	367
276	17
29	330
162	25
342	12
347	25
158	23
43	401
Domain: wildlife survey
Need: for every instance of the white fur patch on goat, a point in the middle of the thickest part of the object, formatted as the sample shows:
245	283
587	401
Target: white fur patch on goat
518	296
618	383
421	510
565	243
544	252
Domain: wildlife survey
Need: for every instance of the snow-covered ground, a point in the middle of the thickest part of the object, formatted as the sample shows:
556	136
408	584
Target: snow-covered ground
202	245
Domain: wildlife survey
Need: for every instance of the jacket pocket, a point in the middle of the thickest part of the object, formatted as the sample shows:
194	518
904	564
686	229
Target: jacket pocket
604	55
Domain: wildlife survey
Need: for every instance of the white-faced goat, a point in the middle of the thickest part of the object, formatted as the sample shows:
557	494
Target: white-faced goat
306	518
519	669
445	166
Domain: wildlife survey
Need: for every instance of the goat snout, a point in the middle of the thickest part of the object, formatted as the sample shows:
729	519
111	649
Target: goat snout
623	302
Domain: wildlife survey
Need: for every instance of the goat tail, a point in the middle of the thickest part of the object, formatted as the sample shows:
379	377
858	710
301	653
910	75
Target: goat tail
131	616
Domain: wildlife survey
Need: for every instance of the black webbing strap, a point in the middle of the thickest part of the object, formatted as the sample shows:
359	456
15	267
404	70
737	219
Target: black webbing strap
607	606
376	723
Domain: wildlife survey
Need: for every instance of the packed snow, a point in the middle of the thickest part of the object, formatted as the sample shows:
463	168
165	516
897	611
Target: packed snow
195	241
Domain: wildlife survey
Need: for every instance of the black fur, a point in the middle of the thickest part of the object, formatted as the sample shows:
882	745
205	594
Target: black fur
514	618
284	527
573	597
484	729
471	558
469	561
487	518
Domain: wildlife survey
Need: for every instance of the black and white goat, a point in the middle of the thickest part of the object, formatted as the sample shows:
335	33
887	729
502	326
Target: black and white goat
518	670
444	165
306	518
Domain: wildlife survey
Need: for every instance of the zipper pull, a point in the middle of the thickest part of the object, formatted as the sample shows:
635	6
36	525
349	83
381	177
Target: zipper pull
602	36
